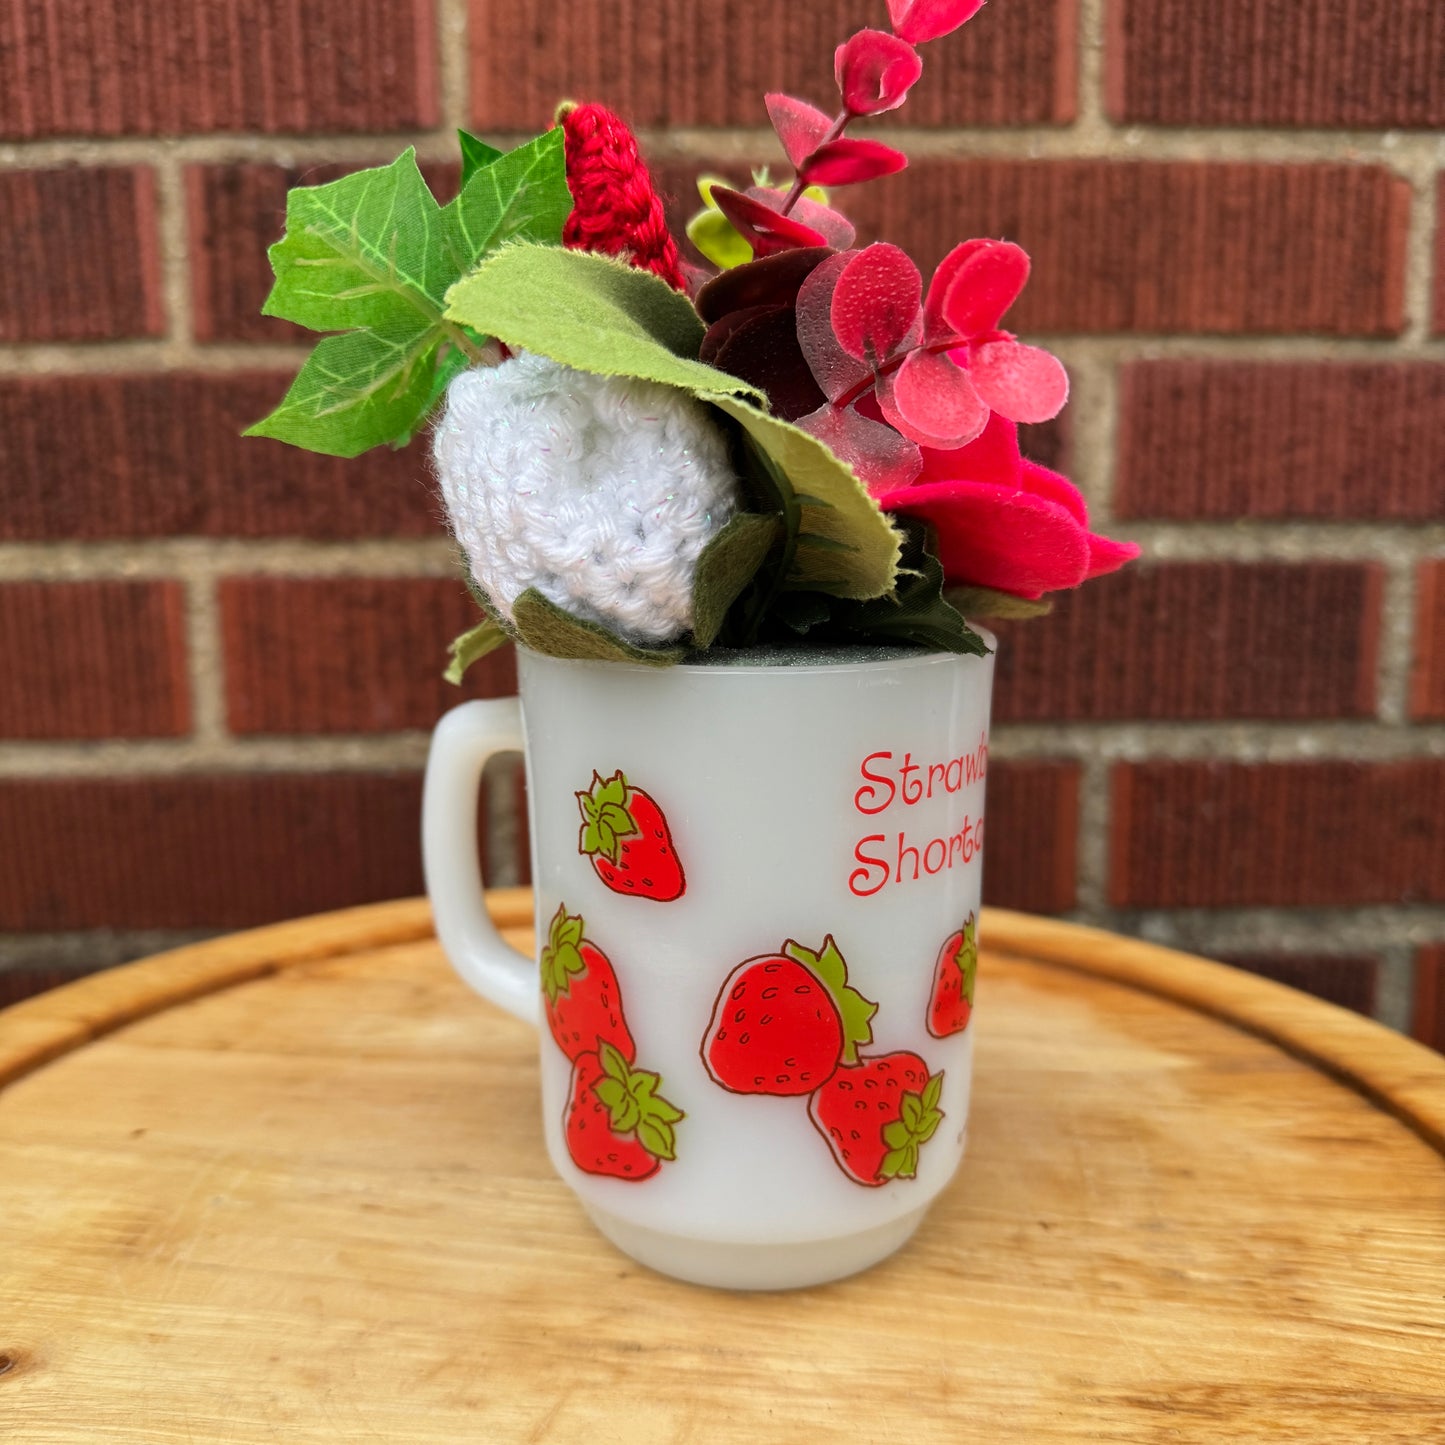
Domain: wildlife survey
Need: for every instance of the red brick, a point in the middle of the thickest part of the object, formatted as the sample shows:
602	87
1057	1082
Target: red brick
203	851
93	660
1198	640
1030	857
1427	685
1162	247
172	67
348	654
1348	980
689	63
236	212
1428	1021
1312	834
81	255
1353	63
1215	439
160	454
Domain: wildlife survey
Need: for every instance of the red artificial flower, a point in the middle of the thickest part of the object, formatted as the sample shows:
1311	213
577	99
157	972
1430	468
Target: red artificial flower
1003	522
875	71
920	20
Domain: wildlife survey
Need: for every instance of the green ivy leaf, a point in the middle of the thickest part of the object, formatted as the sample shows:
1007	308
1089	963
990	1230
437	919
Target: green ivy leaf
475	643
546	628
477	155
372	255
727	564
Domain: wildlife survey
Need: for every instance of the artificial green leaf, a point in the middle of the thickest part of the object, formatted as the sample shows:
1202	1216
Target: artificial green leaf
855	547
717	238
476	154
453	361
354	392
591	312
475	643
372	255
546	628
985	602
727	564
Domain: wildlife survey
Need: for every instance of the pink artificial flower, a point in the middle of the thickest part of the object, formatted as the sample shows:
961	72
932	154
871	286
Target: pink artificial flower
875	71
1003	522
920	20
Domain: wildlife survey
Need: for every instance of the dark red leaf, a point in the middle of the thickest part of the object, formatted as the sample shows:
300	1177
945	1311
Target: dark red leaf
763	228
773	281
983	286
932	401
835	228
875	71
721	329
920	20
764	350
876	302
883	460
835	371
1023	383
846	162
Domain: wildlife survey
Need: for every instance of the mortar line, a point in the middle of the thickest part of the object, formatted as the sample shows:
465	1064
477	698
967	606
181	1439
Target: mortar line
1395	987
453	23
1094	823
1396	636
1092	426
340	752
1092	124
172	225
1420	248
1334	932
205	661
1237	740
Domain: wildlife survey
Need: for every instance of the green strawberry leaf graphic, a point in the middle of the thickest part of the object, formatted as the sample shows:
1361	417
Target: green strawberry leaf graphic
633	1104
918	1120
967	957
855	1011
605	819
561	959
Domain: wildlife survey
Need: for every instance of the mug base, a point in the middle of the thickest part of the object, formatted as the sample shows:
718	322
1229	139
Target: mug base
726	1264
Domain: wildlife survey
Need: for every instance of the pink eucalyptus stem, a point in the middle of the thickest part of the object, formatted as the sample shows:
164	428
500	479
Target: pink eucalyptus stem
840	124
949	343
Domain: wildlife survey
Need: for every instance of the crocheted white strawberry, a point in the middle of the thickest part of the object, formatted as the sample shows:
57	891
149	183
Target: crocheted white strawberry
599	491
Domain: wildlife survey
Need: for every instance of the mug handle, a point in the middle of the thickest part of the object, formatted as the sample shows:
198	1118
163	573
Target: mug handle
464	740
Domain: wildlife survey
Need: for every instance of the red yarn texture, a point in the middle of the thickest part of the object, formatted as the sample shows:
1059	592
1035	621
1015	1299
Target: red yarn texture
615	209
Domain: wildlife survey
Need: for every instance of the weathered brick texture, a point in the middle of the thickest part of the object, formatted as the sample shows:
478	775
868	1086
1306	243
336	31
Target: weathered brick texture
1354	63
709	62
170	67
93	660
348	654
1429	1014
1314	834
1427	691
80	254
1198	640
1326	440
1159	247
203	851
161	454
1350	980
235	212
1031	853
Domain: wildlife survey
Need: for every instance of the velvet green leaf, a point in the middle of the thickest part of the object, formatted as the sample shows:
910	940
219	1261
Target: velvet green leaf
985	602
372	255
591	312
727	564
845	544
473	644
546	628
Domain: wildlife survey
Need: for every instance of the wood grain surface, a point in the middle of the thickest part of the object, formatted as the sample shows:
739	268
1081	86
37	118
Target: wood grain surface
290	1186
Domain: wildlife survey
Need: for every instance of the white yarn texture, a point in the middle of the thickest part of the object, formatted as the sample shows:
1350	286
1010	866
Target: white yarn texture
599	491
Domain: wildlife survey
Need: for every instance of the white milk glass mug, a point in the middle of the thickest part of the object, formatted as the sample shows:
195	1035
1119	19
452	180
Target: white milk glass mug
757	884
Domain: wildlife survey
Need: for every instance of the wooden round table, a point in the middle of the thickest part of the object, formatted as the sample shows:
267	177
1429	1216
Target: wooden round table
289	1186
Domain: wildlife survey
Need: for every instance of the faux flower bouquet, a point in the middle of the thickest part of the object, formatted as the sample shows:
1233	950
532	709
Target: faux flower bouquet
642	459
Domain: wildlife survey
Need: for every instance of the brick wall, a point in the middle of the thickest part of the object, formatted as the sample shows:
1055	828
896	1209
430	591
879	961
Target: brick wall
222	656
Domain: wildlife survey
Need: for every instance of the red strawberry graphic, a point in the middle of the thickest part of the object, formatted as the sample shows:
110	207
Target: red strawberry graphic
580	994
953	979
616	1123
626	836
877	1114
782	1022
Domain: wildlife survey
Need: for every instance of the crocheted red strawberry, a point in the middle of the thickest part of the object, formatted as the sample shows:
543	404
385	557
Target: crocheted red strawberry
615	209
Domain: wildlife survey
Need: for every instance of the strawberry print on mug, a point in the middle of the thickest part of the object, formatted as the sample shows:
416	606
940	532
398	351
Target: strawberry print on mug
626	837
